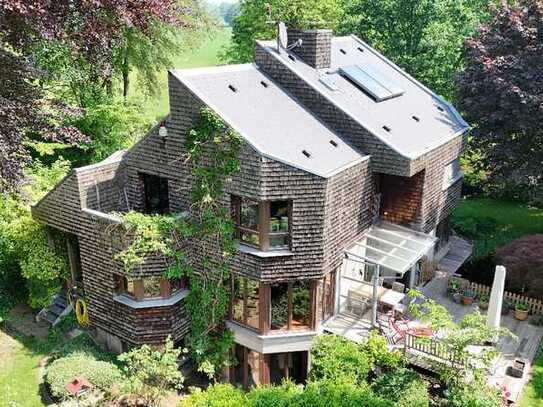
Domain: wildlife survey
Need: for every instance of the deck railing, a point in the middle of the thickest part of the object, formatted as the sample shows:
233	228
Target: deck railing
434	351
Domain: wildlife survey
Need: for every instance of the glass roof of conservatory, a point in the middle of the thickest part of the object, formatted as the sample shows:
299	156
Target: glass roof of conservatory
392	246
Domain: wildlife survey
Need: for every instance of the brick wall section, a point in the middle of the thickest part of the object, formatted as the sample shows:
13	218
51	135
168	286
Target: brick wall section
401	198
316	46
384	159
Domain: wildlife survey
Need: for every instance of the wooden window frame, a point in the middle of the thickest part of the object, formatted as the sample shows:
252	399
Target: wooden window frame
313	298
263	230
139	293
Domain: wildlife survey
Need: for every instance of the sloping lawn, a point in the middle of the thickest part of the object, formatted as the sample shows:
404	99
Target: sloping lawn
206	54
512	221
533	392
20	372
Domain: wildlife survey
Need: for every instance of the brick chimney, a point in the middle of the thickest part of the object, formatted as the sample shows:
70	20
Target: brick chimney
316	46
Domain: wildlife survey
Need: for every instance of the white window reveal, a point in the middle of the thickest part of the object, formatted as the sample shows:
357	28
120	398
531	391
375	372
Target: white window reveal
452	173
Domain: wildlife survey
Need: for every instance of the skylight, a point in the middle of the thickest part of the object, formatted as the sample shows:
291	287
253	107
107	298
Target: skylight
377	85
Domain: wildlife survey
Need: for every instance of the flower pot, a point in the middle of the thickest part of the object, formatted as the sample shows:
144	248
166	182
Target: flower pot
457	298
483	306
467	300
521	315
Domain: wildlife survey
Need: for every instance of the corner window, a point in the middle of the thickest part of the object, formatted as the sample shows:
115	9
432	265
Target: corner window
147	288
452	173
156	194
290	306
265	225
245	302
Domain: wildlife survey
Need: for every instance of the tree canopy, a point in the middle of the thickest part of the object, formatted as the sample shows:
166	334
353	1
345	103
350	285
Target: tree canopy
253	22
500	93
424	37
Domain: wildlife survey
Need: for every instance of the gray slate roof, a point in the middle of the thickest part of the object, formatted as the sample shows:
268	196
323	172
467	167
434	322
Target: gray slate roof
269	119
408	137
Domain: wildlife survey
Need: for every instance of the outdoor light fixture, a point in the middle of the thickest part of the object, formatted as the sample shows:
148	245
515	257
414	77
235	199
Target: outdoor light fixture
163	131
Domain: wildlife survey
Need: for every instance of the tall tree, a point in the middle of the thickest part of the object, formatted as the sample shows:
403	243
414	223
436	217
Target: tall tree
26	115
501	93
424	37
253	21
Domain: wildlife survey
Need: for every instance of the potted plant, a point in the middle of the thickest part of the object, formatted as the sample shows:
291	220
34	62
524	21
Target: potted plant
483	302
457	297
521	311
506	306
453	287
468	296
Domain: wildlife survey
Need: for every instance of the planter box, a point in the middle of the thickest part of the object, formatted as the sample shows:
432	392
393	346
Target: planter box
516	369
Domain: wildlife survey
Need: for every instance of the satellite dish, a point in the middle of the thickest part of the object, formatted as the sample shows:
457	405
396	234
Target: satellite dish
282	35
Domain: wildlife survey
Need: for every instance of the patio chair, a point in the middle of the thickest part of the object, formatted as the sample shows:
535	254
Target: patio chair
398	287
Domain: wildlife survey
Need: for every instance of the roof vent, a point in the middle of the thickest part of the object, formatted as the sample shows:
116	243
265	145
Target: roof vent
360	49
263	83
440	109
416	118
386	128
306	153
232	88
333	143
343	51
291	58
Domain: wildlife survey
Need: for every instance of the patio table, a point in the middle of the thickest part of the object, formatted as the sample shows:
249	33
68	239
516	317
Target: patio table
384	295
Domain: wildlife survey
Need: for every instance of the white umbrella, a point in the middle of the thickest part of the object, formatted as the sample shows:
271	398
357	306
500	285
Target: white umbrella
496	299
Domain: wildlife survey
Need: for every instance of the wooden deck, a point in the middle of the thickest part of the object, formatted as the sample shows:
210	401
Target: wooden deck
351	327
524	346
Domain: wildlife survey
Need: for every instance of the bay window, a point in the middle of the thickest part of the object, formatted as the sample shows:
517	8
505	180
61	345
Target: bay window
148	288
264	225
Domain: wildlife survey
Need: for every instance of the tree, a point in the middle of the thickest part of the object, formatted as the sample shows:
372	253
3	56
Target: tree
253	23
26	115
77	41
500	93
424	37
151	373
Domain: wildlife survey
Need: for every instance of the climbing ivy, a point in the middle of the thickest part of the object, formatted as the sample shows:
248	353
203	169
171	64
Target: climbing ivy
212	154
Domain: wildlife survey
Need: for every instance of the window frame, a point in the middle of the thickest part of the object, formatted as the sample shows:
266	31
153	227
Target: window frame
121	283
264	224
452	172
148	181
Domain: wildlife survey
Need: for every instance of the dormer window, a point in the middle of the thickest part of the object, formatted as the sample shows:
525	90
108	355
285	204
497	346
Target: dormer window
264	225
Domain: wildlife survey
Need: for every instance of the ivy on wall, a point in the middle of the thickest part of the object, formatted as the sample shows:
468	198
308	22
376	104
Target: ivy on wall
212	153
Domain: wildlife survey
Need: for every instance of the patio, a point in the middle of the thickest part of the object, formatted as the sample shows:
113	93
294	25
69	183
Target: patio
524	347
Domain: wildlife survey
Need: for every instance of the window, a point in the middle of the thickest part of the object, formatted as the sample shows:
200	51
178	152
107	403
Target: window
245	302
156	195
452	173
290	306
147	288
263	225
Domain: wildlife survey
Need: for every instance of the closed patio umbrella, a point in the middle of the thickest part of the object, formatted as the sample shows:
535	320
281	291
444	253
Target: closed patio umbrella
496	299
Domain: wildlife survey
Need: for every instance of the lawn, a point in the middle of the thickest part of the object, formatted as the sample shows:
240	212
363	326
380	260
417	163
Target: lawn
512	221
533	392
205	54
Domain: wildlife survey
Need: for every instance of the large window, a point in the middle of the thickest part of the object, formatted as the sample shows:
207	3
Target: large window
148	288
245	302
156	195
263	225
290	306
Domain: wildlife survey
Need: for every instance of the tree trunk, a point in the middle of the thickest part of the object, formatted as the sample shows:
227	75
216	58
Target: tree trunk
126	78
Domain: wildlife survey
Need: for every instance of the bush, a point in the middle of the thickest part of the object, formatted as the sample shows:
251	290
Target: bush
403	387
338	393
60	372
476	394
335	358
217	395
378	354
274	396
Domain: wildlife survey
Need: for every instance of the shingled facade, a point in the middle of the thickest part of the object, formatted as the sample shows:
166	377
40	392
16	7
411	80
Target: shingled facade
315	176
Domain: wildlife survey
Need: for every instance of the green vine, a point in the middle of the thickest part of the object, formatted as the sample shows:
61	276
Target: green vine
212	152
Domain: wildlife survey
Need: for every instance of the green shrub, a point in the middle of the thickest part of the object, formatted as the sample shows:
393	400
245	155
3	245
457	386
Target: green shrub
60	372
217	395
378	354
335	358
475	394
339	394
403	387
274	396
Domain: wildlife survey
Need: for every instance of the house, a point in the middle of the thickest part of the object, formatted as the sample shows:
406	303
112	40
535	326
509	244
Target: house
348	165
